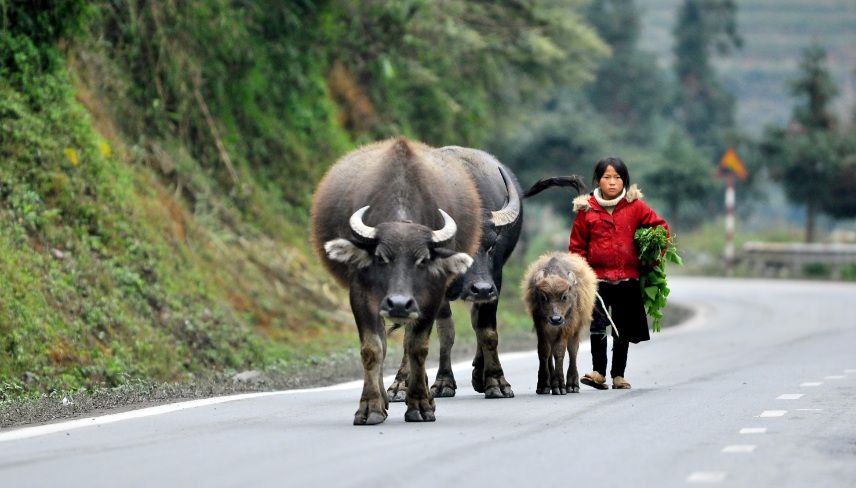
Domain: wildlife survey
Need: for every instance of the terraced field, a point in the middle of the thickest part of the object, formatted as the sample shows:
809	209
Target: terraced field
774	33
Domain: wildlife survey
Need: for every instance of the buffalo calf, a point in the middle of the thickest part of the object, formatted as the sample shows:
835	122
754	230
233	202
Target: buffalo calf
559	290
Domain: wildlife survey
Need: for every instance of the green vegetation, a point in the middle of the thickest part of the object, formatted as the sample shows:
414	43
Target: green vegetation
703	107
159	159
813	158
655	247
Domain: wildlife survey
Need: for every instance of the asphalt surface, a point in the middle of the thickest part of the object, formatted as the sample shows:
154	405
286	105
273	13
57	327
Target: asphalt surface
757	389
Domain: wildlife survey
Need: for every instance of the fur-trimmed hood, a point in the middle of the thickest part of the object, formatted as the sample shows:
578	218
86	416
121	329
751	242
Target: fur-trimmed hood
583	202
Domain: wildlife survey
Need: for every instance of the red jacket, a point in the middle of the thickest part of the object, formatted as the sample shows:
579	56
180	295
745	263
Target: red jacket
606	240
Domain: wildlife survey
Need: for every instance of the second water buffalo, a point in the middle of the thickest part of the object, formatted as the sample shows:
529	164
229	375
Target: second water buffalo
501	221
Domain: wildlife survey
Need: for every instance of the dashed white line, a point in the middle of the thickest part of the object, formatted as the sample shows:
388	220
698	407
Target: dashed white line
706	477
809	409
739	448
790	396
773	413
811	383
834	377
849	371
753	430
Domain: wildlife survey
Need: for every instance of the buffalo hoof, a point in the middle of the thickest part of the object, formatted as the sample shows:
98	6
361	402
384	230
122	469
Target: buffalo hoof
574	389
414	415
498	388
559	390
370	418
397	392
420	412
443	387
543	390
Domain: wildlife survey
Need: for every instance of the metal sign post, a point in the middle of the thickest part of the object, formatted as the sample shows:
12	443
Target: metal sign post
729	223
730	166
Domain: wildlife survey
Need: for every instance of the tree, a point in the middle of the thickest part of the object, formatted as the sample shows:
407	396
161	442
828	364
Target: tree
703	107
458	70
814	161
816	87
629	88
683	176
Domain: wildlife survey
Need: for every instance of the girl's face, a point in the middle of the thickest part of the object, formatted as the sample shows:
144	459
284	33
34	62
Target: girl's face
610	184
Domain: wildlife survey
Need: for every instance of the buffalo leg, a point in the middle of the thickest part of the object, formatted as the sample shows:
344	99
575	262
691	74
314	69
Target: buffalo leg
557	373
483	316
543	386
420	403
573	382
373	401
397	391
444	385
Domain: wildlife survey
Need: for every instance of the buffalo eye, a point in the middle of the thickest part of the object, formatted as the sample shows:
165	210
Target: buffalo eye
420	262
542	297
491	250
382	259
565	297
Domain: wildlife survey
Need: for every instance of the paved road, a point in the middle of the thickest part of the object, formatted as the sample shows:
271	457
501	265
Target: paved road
758	389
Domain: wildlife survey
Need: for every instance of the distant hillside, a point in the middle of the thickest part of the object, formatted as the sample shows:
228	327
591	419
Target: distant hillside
774	33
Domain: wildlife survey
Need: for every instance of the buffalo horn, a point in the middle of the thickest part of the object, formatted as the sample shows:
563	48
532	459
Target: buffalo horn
448	230
359	227
508	213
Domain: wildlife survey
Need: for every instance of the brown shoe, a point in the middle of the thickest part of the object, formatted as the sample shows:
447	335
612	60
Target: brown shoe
619	383
594	380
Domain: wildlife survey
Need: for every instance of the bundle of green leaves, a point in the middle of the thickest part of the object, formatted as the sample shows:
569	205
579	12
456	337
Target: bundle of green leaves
654	247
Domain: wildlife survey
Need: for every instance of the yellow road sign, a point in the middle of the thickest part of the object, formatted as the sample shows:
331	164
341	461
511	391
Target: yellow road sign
731	162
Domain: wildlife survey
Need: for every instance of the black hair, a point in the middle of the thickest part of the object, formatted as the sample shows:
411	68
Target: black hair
617	164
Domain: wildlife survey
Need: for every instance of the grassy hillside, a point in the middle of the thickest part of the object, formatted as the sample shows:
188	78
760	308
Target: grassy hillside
145	231
158	160
774	34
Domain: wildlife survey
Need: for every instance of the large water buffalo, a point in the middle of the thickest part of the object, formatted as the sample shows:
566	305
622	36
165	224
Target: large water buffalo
396	222
502	218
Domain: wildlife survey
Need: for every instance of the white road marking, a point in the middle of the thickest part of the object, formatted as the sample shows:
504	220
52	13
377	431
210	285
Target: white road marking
753	430
706	477
848	371
773	413
790	396
809	409
739	448
460	368
811	383
834	377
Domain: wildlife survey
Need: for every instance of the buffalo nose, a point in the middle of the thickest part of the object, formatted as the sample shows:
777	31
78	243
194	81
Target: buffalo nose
557	319
400	306
483	289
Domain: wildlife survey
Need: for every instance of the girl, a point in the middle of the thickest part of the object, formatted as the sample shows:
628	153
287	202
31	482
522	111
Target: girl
602	233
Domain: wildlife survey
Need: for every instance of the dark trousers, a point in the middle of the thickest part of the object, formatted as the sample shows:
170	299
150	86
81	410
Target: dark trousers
619	355
625	302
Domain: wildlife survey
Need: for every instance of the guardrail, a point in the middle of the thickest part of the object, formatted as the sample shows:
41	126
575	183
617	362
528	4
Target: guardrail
779	259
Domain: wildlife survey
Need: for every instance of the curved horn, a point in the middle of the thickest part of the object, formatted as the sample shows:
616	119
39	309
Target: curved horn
508	213
359	227
448	230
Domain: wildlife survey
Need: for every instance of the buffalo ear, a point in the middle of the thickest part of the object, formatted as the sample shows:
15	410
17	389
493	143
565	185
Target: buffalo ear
449	262
345	251
572	278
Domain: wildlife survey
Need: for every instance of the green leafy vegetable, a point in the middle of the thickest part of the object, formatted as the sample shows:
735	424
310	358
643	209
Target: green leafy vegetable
655	247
